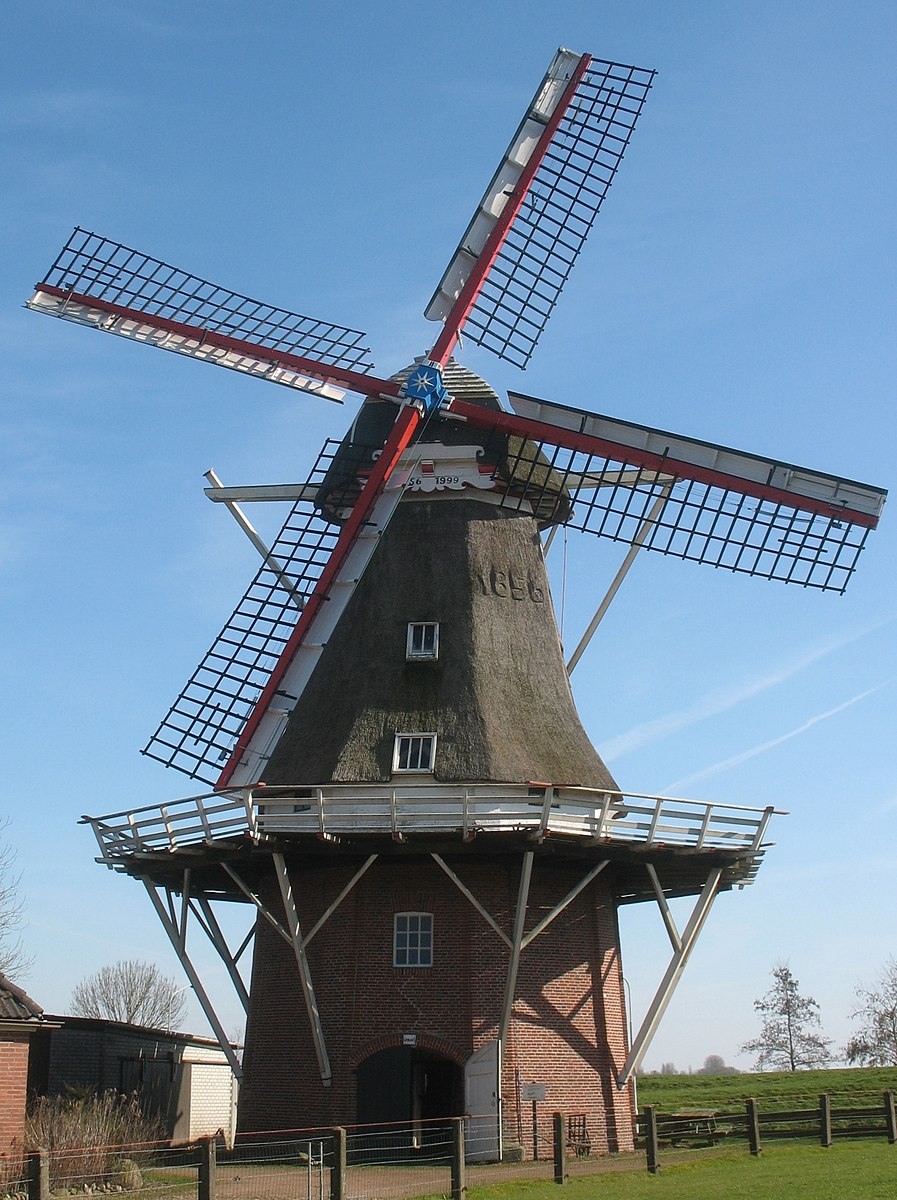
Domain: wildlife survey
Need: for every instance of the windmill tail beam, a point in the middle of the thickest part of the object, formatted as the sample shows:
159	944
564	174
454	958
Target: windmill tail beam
245	524
621	574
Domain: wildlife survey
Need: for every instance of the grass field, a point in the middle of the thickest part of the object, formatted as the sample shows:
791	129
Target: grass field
773	1090
851	1170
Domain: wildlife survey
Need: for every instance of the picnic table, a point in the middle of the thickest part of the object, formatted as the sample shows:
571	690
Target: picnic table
688	1123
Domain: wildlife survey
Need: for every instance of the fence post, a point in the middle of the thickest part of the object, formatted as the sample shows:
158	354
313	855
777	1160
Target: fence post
825	1119
459	1176
208	1163
753	1126
651	1150
338	1165
39	1175
890	1118
560	1147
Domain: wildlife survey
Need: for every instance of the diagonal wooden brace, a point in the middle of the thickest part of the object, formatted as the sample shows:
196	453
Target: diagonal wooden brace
308	991
671	977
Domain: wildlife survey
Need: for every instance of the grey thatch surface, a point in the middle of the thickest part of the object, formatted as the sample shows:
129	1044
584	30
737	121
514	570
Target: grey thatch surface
498	697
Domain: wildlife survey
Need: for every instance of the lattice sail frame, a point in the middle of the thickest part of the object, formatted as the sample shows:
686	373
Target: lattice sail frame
724	508
101	283
198	733
587	133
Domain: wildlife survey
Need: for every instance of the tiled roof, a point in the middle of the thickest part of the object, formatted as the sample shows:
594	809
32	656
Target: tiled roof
15	1004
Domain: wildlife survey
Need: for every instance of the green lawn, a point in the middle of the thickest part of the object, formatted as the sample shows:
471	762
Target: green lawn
860	1170
856	1087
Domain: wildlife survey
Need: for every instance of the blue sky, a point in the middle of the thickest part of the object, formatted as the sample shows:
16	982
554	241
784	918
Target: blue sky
738	286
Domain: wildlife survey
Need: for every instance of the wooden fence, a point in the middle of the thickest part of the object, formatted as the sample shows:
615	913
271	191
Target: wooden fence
710	1127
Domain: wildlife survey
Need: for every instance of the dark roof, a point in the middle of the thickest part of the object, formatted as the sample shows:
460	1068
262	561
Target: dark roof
15	1004
102	1024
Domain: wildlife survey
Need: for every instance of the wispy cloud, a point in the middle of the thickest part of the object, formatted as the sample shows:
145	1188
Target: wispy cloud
737	759
724	699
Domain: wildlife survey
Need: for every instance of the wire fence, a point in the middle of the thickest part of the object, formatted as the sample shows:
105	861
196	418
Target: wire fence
419	1158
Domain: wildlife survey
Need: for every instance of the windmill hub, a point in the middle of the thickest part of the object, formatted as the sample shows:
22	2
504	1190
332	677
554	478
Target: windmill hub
425	386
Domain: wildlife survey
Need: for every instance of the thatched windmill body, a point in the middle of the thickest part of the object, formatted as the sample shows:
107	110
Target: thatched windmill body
402	789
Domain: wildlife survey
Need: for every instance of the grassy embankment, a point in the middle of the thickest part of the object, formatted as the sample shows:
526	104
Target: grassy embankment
773	1090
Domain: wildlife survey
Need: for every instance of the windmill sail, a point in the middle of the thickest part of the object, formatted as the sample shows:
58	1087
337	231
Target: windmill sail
199	731
507	273
726	508
108	286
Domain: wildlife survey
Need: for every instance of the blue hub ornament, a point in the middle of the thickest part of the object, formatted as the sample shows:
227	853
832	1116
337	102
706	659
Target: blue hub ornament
424	386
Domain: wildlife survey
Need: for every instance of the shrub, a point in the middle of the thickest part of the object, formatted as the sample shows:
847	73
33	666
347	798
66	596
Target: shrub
85	1135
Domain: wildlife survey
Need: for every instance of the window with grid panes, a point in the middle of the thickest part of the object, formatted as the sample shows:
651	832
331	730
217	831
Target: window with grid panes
412	944
414	752
423	641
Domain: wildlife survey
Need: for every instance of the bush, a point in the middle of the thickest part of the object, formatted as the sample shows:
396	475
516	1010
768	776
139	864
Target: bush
85	1135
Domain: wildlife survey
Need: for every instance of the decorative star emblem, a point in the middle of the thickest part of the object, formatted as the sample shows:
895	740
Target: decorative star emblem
425	383
421	382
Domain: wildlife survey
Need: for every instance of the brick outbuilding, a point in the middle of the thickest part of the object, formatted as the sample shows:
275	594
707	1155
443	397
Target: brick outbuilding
20	1019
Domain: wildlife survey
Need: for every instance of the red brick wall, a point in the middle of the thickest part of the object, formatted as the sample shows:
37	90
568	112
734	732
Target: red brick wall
568	1026
13	1089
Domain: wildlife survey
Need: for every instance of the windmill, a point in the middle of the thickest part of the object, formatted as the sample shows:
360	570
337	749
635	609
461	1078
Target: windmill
400	789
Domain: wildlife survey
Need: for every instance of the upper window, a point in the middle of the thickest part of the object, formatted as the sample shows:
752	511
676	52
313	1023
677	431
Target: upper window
412	944
414	752
423	641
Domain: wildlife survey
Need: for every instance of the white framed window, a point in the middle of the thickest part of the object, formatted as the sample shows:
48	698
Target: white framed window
412	939
414	752
422	644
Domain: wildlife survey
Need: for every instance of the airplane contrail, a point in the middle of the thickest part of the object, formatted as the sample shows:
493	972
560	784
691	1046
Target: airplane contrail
736	759
724	699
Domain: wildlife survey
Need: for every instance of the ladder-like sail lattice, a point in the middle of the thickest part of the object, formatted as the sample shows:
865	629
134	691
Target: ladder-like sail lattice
201	728
570	184
699	521
94	267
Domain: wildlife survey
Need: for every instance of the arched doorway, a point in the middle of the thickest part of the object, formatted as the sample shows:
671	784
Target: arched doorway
409	1091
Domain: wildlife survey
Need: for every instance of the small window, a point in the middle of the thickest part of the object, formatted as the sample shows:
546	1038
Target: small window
414	752
423	641
412	943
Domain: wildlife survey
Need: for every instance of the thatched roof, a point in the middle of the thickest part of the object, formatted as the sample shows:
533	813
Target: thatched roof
498	696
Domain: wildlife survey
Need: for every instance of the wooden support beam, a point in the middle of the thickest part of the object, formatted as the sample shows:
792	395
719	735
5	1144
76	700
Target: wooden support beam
308	991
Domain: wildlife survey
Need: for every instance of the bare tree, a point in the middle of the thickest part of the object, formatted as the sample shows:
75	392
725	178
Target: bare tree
134	992
875	1044
13	960
786	1042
